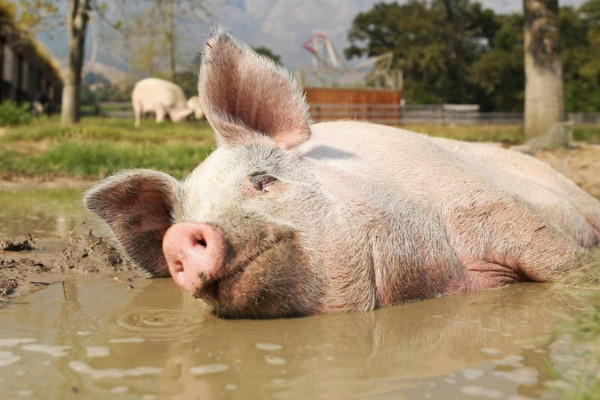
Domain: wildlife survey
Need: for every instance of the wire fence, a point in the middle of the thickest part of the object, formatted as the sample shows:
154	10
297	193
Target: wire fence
391	114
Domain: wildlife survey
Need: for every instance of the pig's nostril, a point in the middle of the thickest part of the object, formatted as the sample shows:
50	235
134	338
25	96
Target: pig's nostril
201	242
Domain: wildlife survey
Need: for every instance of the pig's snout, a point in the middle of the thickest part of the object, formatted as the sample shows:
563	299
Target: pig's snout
195	253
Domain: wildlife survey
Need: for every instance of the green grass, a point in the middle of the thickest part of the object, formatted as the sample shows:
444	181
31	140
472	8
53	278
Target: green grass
510	134
100	146
97	128
579	376
588	133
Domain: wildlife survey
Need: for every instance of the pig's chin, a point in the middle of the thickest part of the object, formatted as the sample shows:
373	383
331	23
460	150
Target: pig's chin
215	290
240	293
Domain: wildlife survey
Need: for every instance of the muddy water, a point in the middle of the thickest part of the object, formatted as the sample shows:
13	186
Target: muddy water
43	212
99	338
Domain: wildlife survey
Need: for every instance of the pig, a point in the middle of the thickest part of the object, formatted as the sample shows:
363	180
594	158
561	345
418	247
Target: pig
287	218
161	97
193	103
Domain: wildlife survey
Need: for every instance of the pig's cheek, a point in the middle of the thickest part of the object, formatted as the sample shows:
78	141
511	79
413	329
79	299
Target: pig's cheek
275	284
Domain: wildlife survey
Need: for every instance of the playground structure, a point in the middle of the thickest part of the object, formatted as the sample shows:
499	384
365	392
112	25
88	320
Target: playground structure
330	70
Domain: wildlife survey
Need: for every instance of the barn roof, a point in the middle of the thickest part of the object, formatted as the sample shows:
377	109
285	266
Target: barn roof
15	36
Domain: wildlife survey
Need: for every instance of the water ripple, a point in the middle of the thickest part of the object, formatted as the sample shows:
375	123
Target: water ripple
142	324
159	323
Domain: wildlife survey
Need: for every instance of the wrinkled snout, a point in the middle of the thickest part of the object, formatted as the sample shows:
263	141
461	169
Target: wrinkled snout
195	253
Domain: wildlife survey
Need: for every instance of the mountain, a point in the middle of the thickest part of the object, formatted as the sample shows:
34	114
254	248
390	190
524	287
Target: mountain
292	22
280	25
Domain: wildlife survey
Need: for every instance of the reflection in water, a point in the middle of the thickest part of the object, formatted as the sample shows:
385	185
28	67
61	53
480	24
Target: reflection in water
44	213
100	339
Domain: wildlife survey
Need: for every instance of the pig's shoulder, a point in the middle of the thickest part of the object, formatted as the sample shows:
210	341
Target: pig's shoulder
357	137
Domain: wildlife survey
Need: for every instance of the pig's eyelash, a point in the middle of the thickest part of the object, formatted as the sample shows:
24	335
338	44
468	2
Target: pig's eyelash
261	181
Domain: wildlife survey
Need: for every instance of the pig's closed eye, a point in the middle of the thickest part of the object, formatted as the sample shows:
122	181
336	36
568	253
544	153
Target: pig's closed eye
262	181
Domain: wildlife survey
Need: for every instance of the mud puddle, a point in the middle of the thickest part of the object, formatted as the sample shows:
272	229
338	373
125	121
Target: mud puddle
43	212
100	338
100	331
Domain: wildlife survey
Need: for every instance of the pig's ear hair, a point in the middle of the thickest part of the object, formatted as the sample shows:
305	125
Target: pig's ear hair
245	96
137	205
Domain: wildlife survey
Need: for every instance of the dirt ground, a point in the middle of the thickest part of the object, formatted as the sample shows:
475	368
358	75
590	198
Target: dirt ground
27	264
581	164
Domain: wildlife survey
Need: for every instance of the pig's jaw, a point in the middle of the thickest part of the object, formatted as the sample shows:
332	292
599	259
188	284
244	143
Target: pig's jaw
240	292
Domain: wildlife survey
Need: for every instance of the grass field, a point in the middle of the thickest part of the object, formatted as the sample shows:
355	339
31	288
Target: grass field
99	146
580	374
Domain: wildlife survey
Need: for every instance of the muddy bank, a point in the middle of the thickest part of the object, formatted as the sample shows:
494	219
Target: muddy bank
13	182
28	264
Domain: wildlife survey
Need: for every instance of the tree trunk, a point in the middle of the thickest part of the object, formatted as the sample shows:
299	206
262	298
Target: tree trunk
170	35
77	19
544	93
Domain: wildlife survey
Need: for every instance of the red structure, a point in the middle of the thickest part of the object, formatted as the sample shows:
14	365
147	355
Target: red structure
375	105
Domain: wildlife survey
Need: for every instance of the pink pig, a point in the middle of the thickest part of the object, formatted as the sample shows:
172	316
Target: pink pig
287	219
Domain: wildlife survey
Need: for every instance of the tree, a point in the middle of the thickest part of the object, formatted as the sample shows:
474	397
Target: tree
35	16
151	28
498	74
77	19
433	43
544	92
580	37
265	51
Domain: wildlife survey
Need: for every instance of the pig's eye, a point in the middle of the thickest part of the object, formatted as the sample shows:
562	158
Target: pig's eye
262	181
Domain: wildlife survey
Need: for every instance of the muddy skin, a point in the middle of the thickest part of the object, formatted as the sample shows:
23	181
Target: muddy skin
28	264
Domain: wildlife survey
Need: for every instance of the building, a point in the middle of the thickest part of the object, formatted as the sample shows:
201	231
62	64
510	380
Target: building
28	72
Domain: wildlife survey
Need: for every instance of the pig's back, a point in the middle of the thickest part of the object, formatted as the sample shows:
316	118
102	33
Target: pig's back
445	174
420	165
440	164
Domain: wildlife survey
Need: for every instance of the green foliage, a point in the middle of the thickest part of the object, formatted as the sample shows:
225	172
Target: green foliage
454	51
580	30
434	43
188	81
268	53
498	74
13	114
32	11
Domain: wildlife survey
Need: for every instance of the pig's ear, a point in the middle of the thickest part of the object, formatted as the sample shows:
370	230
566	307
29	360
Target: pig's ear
245	95
137	206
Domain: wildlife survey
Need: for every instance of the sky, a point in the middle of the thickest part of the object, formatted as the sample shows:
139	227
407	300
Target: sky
280	25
